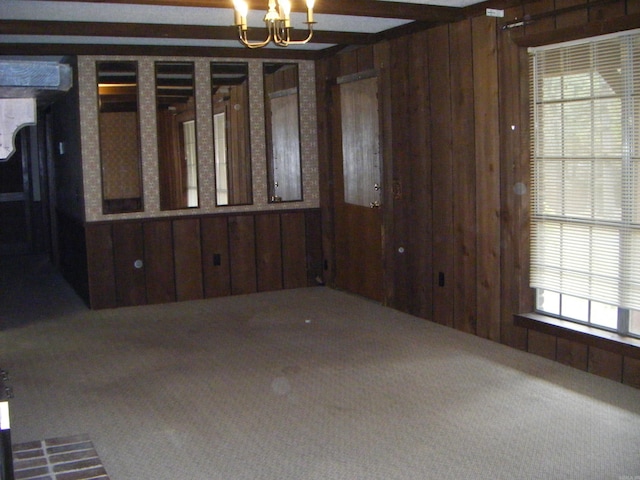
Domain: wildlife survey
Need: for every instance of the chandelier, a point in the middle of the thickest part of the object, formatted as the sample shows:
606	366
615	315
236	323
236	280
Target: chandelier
278	22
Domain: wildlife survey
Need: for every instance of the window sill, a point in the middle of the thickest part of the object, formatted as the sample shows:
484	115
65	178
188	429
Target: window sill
627	346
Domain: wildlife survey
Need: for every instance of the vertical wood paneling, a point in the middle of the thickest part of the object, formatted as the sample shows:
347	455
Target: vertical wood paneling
294	261
192	258
486	101
128	252
606	11
572	353
158	261
542	344
463	88
349	62
101	272
215	257
464	178
188	259
443	278
242	254
420	238
268	252
570	18
365	58
605	364
401	163
382	61
631	372
409	247
324	75
542	24
514	180
314	247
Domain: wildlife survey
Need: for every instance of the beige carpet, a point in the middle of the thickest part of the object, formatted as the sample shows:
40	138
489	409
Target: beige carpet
302	384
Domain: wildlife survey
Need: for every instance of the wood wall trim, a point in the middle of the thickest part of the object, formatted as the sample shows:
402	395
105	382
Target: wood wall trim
161	260
593	337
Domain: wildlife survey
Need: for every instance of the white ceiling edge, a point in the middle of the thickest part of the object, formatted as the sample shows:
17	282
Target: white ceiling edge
44	10
168	42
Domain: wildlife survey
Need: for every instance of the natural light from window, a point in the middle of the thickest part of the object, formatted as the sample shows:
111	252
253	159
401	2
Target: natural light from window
586	181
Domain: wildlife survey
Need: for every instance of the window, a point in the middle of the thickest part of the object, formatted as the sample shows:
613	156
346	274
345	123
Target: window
585	216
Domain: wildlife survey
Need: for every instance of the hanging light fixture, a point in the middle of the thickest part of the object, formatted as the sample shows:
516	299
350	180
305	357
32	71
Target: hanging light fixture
278	22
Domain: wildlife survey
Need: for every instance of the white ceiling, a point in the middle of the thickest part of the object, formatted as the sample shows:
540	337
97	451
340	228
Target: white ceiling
128	13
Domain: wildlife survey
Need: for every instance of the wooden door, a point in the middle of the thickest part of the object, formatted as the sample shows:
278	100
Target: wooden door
358	208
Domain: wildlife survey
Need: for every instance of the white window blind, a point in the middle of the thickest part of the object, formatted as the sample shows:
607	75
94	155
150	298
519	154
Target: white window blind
585	213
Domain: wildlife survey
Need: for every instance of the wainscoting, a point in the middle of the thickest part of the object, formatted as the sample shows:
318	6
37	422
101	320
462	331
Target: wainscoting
147	261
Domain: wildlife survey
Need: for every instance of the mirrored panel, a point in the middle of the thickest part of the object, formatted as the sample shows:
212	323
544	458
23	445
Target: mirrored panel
232	141
282	126
119	137
177	143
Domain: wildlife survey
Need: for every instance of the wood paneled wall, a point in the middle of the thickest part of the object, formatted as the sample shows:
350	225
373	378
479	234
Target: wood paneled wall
456	176
137	262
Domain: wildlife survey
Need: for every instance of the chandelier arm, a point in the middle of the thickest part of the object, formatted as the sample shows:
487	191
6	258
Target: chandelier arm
242	33
277	23
297	42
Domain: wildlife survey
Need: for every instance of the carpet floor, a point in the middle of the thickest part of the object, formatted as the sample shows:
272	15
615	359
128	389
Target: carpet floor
300	384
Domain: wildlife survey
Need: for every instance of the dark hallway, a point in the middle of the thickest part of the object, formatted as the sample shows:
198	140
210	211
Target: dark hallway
31	291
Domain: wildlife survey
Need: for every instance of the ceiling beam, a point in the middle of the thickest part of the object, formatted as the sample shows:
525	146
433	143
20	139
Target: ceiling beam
64	49
361	8
153	30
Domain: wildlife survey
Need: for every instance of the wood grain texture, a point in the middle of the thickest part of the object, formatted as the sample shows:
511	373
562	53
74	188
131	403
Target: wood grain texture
382	62
268	252
128	252
100	271
605	364
572	353
486	101
573	17
464	179
631	372
242	254
215	257
443	279
158	261
188	259
324	75
420	239
314	248
542	344
357	229
514	186
402	161
294	258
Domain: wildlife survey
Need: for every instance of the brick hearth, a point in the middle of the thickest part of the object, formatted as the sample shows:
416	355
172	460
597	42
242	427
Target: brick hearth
66	458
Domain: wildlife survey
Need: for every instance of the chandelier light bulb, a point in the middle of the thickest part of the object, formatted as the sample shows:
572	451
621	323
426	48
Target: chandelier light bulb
277	20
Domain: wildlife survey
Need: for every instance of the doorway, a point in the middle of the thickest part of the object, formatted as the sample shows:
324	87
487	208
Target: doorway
24	221
358	185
